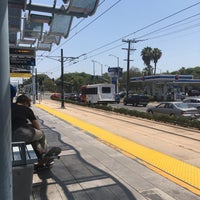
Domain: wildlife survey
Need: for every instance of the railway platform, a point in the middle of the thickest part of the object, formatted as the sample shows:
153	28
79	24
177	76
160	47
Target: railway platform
95	165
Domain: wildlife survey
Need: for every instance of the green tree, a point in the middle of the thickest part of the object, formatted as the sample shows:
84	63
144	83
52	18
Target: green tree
73	81
195	71
146	54
156	55
43	82
133	72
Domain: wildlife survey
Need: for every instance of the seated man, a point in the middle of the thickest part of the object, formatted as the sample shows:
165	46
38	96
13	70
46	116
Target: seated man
25	126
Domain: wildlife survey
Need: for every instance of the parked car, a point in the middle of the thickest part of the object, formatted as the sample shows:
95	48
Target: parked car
180	95
193	102
67	95
74	97
117	98
122	94
194	93
70	96
174	109
136	99
55	96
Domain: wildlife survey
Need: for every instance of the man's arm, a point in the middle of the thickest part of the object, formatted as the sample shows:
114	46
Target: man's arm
35	124
32	118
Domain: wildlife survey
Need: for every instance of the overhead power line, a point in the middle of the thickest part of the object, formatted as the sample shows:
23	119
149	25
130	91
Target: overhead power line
143	28
170	25
95	19
86	25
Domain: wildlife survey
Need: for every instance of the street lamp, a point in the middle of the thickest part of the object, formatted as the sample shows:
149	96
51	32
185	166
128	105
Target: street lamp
94	61
101	67
115	57
117	84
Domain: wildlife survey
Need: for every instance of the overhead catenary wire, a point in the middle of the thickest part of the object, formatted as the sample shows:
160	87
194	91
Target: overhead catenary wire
128	35
156	37
84	26
84	18
75	26
165	28
143	28
108	9
174	32
169	25
90	23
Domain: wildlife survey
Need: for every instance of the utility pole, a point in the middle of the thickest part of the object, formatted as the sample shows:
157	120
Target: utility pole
128	60
62	60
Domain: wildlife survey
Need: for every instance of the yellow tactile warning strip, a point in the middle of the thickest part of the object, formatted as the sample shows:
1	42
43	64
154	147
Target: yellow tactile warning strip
184	174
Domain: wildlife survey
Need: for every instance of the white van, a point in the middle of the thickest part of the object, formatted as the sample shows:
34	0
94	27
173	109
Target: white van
98	93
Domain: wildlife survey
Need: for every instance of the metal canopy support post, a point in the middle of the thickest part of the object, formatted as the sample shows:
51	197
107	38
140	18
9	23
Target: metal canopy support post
5	108
33	84
36	84
62	80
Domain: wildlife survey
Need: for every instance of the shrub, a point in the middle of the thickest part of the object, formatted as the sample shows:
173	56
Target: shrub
181	121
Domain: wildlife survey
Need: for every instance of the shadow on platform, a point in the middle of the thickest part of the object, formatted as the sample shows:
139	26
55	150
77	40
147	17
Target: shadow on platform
72	178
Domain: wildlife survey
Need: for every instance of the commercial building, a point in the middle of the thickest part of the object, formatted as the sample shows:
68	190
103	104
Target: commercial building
160	86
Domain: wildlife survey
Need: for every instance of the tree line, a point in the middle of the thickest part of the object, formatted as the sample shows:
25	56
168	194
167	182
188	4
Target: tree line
73	81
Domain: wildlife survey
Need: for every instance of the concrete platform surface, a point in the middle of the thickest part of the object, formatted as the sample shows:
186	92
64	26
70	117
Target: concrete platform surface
92	170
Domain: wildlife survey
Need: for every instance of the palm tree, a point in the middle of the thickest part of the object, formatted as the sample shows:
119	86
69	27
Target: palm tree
146	54
156	55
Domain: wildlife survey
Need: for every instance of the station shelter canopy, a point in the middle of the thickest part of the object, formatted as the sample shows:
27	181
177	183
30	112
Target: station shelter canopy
37	26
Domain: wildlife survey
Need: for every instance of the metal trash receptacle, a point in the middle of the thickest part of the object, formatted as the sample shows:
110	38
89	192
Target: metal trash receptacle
23	157
22	182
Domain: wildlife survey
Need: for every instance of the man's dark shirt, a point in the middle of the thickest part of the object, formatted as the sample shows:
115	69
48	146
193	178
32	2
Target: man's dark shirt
20	115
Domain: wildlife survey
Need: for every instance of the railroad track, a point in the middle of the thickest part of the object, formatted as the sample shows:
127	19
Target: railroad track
130	120
179	142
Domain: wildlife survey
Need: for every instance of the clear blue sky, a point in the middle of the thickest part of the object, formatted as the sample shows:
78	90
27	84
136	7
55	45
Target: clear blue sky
179	43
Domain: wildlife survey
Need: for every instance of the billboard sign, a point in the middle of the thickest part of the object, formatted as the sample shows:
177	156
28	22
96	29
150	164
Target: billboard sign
115	72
